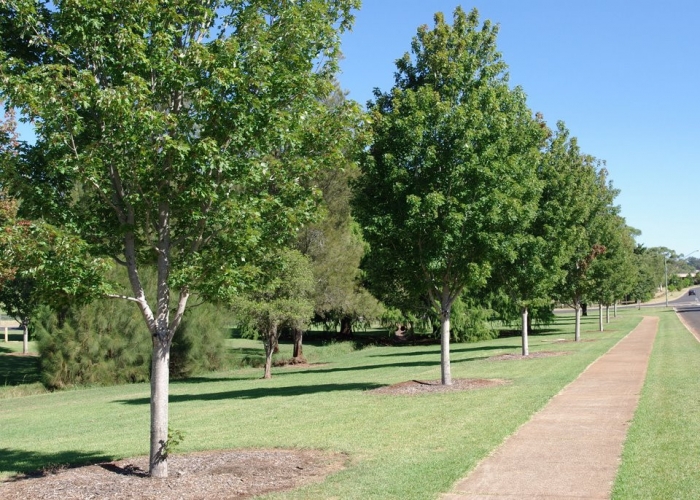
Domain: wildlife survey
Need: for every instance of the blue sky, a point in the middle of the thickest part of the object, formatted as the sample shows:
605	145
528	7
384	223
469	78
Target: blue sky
622	75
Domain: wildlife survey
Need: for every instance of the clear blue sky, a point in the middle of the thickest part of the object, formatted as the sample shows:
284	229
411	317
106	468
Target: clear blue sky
623	75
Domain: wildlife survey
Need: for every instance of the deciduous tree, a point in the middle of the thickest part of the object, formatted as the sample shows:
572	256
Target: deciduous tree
282	298
450	173
172	135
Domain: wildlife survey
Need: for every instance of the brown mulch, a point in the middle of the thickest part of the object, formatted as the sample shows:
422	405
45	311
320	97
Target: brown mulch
532	355
214	475
414	387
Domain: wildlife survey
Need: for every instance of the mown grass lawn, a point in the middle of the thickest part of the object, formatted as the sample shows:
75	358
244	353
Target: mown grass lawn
662	450
397	446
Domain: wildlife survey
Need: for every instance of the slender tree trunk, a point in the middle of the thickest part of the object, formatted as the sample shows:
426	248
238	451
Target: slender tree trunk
25	338
445	371
639	304
160	375
298	347
607	314
615	309
525	317
275	345
600	316
269	348
577	324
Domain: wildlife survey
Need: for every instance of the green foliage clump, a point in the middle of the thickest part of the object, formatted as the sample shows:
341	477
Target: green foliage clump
107	343
103	343
470	322
198	345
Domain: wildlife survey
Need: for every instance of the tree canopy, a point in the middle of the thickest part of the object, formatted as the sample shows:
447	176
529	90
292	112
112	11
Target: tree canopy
450	173
172	135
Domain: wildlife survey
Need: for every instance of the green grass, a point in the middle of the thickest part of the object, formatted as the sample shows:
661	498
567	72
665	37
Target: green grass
19	375
398	446
660	457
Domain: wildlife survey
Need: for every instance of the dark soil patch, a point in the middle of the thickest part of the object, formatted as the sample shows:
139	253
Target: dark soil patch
414	387
215	475
532	355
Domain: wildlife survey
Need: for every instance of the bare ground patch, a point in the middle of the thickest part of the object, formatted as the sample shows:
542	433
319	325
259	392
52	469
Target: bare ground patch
532	355
414	387
215	475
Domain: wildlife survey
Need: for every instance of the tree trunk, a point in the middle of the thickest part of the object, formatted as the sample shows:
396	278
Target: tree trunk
445	372
607	314
584	309
525	317
615	309
577	324
346	326
275	345
160	375
600	317
270	342
25	338
639	304
298	354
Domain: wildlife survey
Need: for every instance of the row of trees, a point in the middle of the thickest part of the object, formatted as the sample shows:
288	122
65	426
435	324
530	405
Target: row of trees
465	192
197	141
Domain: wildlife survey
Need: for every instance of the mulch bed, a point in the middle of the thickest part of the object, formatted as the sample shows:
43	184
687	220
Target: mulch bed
214	475
532	355
415	387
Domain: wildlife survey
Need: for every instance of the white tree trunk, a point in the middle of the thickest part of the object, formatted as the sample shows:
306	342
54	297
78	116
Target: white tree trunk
600	316
577	327
526	347
25	338
445	372
615	309
160	376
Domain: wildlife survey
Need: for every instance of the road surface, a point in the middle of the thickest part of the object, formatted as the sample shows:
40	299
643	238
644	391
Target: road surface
688	309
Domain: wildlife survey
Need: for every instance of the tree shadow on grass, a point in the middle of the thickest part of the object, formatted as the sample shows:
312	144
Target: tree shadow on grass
453	350
37	464
418	364
17	369
258	392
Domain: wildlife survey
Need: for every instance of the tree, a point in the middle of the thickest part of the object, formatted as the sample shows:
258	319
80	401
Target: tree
282	299
43	265
598	196
172	135
450	173
334	243
649	274
613	274
542	249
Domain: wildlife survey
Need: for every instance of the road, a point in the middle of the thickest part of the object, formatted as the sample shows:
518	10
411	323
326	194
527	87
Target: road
688	308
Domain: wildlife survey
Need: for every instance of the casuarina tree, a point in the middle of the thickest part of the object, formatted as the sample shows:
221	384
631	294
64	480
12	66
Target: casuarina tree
173	135
450	172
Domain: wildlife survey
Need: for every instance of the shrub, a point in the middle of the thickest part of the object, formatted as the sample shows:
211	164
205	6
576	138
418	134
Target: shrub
107	343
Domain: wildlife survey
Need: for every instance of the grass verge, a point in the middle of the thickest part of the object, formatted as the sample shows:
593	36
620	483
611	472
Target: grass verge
660	457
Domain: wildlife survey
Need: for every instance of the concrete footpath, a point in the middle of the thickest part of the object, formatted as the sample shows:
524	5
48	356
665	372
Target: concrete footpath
572	447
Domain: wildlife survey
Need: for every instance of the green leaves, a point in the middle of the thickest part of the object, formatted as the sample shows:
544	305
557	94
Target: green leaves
450	174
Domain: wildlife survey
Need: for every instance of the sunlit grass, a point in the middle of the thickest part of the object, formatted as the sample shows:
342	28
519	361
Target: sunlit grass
397	446
660	458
